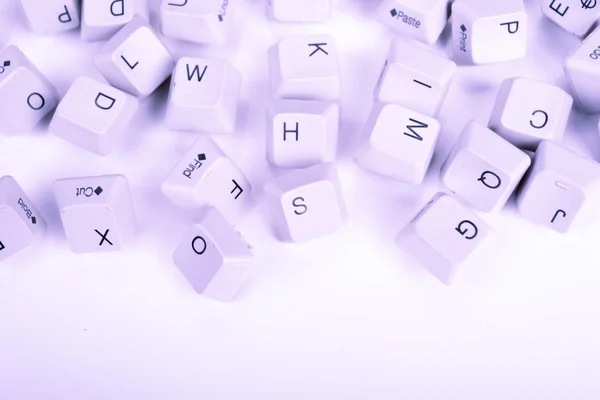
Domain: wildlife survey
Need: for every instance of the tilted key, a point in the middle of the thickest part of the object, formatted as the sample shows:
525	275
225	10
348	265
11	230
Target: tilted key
198	21
204	96
302	133
400	143
97	212
305	67
307	203
51	16
555	189
101	19
20	222
415	77
135	60
423	20
584	75
205	176
213	257
527	111
93	115
483	168
575	16
444	236
486	32
26	96
299	11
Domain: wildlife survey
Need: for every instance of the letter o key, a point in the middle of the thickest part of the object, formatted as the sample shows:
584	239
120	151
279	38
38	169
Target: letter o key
197	238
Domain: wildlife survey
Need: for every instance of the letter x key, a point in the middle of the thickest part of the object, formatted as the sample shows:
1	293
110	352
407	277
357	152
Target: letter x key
104	237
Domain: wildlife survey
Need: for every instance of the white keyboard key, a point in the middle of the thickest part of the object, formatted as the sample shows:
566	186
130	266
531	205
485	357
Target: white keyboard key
135	60
302	133
555	190
575	16
93	115
305	67
97	212
527	111
101	19
419	81
26	96
423	20
307	203
204	96
444	236
205	176
299	11
483	168
213	257
198	21
51	16
20	222
582	70
400	143
486	32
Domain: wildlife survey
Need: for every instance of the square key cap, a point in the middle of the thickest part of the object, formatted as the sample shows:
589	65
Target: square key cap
302	133
483	168
205	176
584	75
556	188
204	96
213	257
415	77
443	236
299	11
20	222
97	212
26	96
400	143
51	16
199	21
307	203
527	112
135	60
305	67
574	16
93	115
423	20
101	19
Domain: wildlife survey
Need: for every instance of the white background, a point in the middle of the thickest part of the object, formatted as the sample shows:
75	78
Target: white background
345	317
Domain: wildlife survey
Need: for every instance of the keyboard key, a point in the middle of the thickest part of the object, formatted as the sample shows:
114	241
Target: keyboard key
444	236
51	16
213	257
574	16
423	20
527	112
419	81
93	115
101	19
483	168
400	143
135	60
307	203
205	176
204	96
198	21
555	189
302	133
97	212
582	70
26	96
305	67
486	32
299	11
20	222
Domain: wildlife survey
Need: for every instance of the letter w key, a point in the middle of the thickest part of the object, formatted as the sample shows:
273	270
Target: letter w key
195	71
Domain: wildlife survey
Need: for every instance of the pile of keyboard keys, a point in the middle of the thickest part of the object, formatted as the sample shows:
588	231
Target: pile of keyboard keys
485	167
